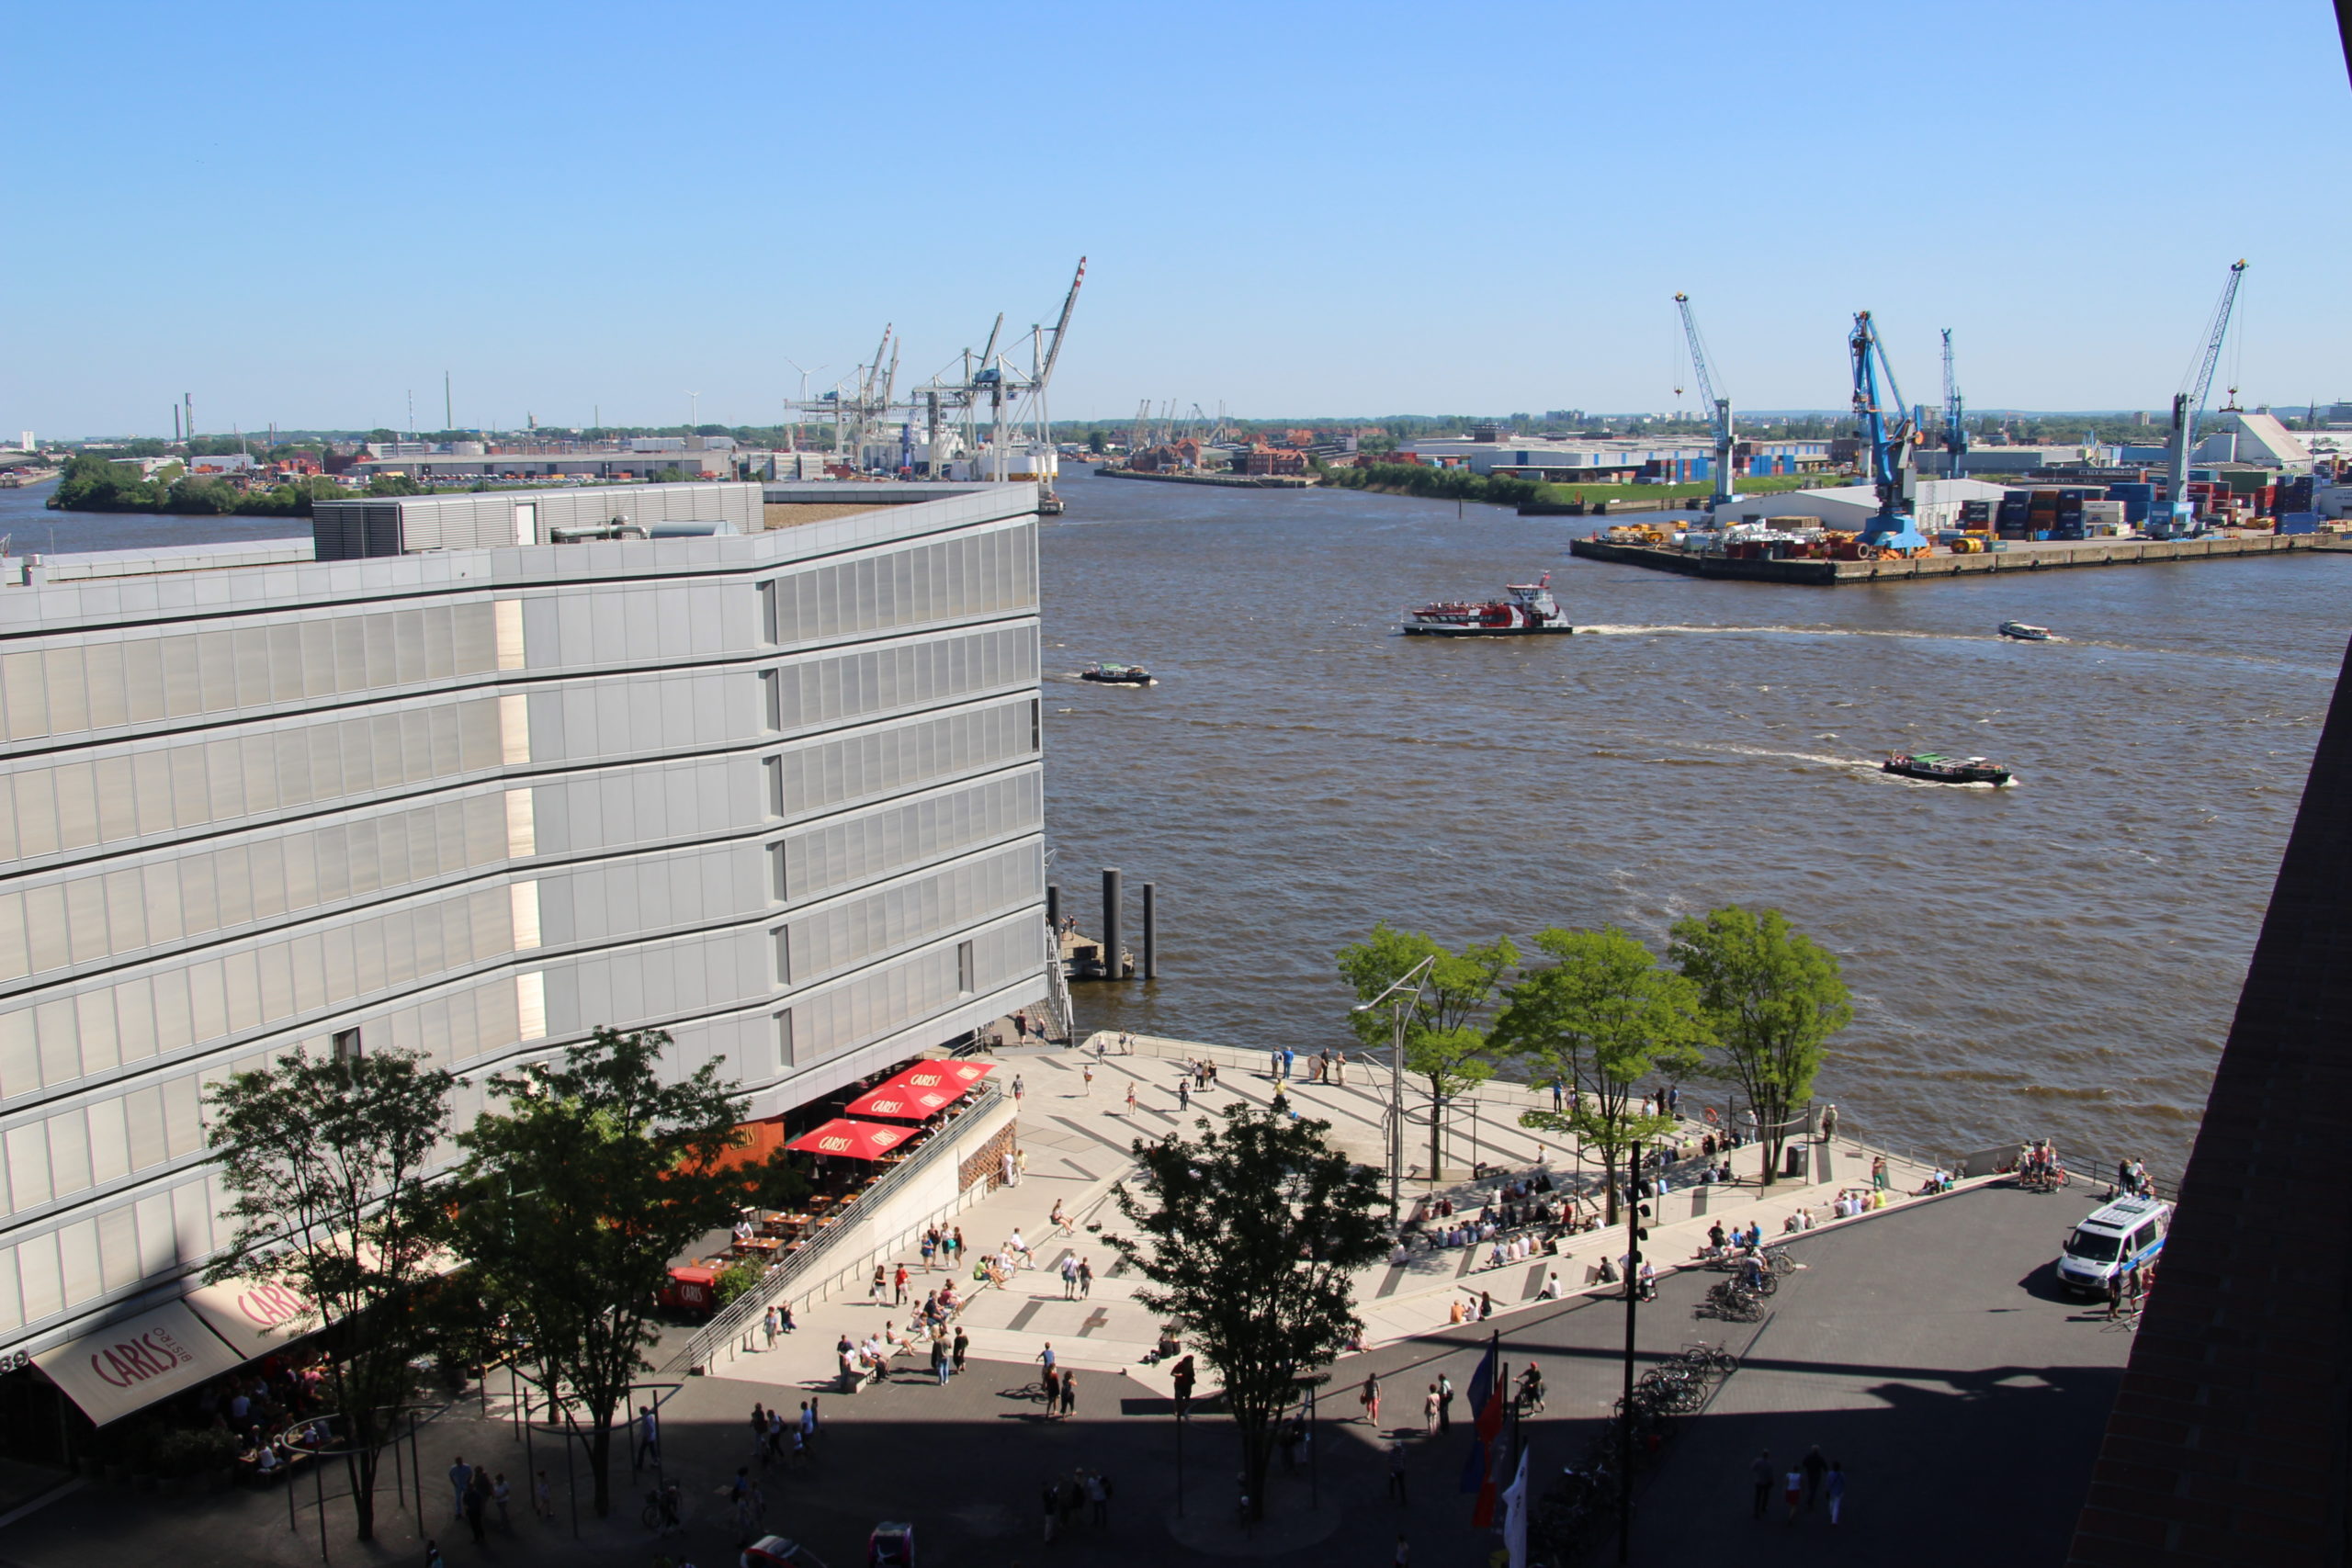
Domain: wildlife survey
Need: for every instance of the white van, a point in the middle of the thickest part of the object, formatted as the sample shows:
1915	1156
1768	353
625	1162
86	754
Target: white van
2128	1231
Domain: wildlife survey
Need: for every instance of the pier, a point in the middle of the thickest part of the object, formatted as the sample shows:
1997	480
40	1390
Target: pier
2046	557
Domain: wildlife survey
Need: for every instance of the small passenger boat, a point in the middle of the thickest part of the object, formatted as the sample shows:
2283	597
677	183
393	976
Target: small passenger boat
1103	674
2025	632
1937	768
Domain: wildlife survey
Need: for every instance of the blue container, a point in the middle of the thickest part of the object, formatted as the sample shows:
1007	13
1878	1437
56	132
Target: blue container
2041	533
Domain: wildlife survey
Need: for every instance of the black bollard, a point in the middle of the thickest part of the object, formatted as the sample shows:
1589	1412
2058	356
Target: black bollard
1150	933
1054	907
1112	968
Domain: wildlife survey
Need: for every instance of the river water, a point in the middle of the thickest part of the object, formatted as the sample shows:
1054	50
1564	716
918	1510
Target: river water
2060	958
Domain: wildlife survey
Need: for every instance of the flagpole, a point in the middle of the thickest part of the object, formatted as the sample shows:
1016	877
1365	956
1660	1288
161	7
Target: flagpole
1633	1212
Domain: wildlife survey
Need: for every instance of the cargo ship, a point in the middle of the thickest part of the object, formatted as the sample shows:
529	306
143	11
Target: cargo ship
1937	768
1526	609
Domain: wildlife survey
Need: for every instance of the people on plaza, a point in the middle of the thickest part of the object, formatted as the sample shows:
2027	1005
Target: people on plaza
1369	1397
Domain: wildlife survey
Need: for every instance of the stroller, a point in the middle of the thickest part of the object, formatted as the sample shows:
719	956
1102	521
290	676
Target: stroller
890	1546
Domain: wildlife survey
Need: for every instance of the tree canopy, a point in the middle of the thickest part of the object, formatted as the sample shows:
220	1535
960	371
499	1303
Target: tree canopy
1773	1000
1444	1044
1246	1238
577	1193
326	1158
1602	1017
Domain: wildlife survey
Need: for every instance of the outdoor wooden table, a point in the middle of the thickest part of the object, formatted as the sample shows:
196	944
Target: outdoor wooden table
758	1247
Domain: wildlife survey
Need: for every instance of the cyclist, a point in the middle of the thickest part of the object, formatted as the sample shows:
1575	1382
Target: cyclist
1530	1388
1751	1272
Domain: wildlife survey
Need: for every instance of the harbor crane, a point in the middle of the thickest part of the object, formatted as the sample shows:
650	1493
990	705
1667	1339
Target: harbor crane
1890	432
1718	408
2178	517
1955	425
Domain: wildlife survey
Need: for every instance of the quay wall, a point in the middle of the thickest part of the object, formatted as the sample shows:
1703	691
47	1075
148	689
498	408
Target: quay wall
2016	558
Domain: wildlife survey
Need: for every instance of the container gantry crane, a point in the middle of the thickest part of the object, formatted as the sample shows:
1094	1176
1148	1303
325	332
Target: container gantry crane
2176	516
1718	408
1955	423
1890	433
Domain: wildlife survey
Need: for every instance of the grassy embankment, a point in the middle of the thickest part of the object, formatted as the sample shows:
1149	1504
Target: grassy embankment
1460	484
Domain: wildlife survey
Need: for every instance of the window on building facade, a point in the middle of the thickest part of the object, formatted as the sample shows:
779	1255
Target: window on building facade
779	882
966	974
784	1040
346	1044
783	935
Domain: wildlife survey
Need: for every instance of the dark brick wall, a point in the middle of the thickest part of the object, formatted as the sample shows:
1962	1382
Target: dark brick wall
2228	1443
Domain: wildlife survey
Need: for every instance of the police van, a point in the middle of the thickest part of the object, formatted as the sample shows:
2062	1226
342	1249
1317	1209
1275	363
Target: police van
2128	1231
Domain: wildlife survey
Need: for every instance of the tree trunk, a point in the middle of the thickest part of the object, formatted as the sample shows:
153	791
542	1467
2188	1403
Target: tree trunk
1257	1452
600	1454
361	1471
1609	1183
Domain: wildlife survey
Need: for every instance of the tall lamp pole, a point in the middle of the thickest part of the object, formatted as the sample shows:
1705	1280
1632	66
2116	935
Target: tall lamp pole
1418	976
1635	1211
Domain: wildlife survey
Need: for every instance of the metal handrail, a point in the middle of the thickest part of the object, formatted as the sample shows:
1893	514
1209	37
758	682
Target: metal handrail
738	1316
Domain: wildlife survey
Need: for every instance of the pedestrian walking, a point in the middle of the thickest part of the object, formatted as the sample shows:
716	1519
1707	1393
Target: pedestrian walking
1835	1488
499	1493
959	1244
461	1475
476	1499
1070	1394
930	1247
1050	1496
1444	1403
962	1345
1085	1279
1018	1088
2114	1296
1088	1072
939	1361
1020	1166
1429	1412
1183	1094
1069	1276
649	1433
1397	1473
1131	1099
1098	1498
1369	1397
878	1289
543	1498
1762	1469
1793	1485
1815	1467
1828	1122
898	1284
772	1326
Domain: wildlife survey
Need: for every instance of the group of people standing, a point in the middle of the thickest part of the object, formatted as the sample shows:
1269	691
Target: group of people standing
1811	1482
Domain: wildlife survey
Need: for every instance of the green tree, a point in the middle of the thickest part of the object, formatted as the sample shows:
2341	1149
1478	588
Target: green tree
93	482
1246	1238
1772	998
1096	442
1445	1047
576	1197
327	1158
1601	1017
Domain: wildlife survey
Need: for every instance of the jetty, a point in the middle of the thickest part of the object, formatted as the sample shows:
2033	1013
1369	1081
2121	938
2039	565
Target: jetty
2052	556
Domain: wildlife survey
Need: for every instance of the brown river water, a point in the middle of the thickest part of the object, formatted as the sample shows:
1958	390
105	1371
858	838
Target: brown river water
2058	958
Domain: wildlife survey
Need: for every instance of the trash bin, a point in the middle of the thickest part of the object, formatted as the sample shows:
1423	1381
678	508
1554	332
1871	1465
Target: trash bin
1797	1153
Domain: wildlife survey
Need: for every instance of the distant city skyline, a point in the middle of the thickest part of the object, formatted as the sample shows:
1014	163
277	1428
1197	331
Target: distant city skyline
1360	208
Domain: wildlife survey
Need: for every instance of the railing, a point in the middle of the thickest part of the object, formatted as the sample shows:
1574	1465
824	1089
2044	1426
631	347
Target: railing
737	1316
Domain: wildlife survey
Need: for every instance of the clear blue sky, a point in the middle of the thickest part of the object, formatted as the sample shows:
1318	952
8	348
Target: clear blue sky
301	212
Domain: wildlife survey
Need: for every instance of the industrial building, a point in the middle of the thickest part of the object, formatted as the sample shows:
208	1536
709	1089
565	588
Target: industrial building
1936	504
481	460
1612	459
1979	461
461	787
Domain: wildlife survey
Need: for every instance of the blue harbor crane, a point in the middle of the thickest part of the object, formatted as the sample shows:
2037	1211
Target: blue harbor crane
2177	518
1955	426
1890	432
1718	408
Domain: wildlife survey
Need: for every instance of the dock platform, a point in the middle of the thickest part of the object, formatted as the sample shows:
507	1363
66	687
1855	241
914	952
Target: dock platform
2052	556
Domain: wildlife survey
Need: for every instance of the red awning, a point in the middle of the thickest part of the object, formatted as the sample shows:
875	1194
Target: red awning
858	1140
896	1100
956	1076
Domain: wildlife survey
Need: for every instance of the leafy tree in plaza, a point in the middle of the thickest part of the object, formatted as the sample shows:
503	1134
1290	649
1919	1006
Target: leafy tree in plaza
326	1157
1602	1017
1445	1047
1246	1238
576	1196
1772	998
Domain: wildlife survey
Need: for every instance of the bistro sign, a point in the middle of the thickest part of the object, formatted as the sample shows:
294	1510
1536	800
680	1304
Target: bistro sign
127	1366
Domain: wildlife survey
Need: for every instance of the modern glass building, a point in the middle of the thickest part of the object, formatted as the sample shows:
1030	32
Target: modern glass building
457	788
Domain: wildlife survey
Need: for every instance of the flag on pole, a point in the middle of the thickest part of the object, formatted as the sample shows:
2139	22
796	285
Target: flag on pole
1482	1394
1515	1516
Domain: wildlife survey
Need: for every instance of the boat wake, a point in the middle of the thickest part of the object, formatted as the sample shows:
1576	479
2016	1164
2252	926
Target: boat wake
1605	630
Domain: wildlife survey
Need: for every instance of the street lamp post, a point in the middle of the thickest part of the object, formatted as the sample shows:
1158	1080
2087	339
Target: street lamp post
1418	976
1635	1211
